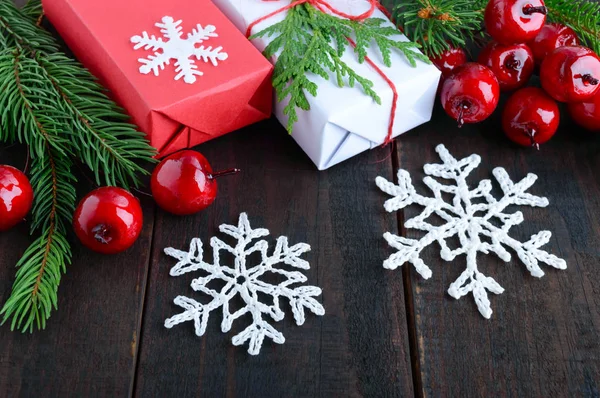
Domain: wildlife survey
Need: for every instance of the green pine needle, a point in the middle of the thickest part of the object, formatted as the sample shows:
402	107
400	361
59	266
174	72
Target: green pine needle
55	106
439	24
17	28
309	41
581	16
33	10
35	290
104	140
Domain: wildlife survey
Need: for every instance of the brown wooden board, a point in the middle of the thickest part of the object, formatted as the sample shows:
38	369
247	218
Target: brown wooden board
543	337
359	347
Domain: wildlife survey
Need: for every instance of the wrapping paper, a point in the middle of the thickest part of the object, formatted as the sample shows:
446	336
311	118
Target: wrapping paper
343	122
175	115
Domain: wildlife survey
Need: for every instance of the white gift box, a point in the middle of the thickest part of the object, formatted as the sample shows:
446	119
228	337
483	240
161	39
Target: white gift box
344	121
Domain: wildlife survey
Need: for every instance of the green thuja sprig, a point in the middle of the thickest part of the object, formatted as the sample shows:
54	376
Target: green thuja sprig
310	41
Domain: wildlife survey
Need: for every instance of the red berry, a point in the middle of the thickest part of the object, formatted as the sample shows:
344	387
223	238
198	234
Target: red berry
552	36
108	220
449	60
514	21
512	64
570	74
184	183
16	197
587	114
530	117
470	94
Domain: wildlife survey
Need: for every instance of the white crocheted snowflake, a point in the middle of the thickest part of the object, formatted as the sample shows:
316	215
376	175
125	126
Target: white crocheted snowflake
179	49
247	281
478	220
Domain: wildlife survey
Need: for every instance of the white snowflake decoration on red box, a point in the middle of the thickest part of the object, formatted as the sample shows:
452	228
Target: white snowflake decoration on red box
182	50
246	281
481	226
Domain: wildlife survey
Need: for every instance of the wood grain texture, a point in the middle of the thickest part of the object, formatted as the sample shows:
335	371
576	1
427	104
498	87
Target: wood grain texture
542	339
358	348
89	346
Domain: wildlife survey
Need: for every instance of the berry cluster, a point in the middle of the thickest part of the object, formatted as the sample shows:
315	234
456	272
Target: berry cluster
109	219
523	42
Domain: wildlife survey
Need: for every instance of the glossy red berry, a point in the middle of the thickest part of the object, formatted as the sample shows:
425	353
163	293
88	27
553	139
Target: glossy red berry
571	74
16	197
530	117
587	114
184	183
108	220
512	64
514	21
552	36
470	94
449	60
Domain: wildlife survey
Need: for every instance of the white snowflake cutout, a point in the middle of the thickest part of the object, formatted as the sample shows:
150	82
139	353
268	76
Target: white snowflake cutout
179	49
475	217
244	280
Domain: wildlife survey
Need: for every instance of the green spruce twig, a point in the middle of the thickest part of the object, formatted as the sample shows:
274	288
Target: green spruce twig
439	24
55	106
29	113
581	16
34	11
309	41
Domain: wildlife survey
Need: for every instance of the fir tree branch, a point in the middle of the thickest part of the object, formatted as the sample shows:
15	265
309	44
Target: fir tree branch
34	292
104	140
581	16
34	11
17	29
309	41
439	24
54	105
109	145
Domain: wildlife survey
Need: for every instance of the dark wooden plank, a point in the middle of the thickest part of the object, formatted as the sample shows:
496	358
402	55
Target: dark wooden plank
90	344
358	348
542	339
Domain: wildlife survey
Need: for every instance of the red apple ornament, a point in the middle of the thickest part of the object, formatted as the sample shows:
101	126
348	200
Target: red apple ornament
514	21
16	197
470	94
552	36
184	183
108	220
449	60
512	64
571	74
530	117
587	114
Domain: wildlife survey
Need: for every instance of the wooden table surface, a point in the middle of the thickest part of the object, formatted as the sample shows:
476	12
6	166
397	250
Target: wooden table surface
385	333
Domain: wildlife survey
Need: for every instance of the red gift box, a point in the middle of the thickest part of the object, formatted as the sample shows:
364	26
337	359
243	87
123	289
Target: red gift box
224	84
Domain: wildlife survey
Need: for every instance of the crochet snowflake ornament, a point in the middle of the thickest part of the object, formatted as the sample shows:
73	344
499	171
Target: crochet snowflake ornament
478	220
179	49
247	281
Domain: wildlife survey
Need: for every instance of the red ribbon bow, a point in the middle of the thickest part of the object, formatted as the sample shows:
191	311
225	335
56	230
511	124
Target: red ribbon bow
323	6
